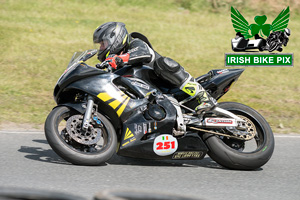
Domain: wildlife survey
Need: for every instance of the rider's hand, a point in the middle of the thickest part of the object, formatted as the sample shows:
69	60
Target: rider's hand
102	65
115	61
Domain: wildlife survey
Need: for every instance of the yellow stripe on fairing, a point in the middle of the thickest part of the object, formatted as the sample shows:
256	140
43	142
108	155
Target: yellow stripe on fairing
104	96
120	111
115	104
124	96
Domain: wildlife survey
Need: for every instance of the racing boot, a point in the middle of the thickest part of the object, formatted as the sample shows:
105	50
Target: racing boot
195	90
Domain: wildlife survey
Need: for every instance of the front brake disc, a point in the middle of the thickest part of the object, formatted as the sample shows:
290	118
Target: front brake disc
87	137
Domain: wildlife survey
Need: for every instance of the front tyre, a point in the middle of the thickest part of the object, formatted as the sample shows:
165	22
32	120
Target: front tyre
79	149
235	154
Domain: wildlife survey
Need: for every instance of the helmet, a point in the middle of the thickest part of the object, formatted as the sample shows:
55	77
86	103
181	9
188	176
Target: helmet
287	32
110	38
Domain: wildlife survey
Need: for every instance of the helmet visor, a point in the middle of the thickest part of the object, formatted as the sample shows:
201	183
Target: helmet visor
102	45
103	48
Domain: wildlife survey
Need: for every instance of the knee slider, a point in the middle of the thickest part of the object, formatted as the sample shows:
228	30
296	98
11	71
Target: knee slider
170	70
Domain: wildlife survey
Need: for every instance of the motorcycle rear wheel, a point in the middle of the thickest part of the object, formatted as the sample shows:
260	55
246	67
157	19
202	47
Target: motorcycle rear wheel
232	153
72	151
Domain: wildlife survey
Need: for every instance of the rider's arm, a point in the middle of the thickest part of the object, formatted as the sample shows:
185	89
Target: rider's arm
138	53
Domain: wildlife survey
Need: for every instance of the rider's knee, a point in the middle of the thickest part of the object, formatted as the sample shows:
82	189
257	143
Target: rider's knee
170	70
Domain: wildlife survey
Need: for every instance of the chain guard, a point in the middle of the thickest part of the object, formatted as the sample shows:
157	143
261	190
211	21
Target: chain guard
74	129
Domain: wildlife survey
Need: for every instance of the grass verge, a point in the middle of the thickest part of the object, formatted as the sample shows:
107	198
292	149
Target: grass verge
39	37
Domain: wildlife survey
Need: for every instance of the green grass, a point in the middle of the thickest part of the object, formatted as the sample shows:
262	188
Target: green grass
39	37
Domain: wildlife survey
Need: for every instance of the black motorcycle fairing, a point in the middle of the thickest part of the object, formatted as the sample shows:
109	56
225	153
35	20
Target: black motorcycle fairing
138	125
221	81
135	88
103	88
140	132
81	71
190	147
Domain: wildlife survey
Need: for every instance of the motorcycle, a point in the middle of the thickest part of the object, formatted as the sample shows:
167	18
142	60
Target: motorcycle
132	112
239	43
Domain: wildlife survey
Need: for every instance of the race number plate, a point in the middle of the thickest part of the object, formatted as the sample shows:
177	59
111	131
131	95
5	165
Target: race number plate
165	145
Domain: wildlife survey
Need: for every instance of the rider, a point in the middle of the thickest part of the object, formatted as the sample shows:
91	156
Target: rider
280	37
119	48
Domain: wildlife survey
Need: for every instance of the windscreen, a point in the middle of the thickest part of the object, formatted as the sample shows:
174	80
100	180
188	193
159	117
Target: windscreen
76	57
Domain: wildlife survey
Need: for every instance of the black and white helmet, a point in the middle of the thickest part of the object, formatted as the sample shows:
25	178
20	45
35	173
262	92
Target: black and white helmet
110	38
287	32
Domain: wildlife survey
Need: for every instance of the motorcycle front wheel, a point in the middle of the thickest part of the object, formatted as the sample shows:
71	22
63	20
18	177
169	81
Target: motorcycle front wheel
64	135
238	154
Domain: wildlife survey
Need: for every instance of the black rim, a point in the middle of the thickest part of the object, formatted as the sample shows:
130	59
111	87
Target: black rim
251	146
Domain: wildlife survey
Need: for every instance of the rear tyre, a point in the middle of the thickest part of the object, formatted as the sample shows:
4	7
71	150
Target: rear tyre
77	152
234	154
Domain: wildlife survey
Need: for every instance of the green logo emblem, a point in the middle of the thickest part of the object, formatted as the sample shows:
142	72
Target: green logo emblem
240	24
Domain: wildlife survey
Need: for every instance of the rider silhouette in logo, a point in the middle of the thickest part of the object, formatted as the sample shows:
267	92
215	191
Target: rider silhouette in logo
277	39
116	46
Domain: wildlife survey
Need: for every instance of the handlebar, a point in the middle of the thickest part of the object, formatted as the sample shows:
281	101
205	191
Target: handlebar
104	65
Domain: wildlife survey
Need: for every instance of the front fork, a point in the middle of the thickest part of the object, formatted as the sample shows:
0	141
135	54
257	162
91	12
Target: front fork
88	113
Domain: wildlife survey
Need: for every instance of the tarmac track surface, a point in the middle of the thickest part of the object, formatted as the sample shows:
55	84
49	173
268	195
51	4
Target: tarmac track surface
27	161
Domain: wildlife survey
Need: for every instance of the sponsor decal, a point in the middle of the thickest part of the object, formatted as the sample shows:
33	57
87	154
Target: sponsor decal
128	136
223	71
149	129
141	85
138	129
190	88
219	121
144	128
187	155
265	148
155	125
133	50
131	140
165	145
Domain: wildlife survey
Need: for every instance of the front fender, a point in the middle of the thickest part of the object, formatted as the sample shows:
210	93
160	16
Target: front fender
79	107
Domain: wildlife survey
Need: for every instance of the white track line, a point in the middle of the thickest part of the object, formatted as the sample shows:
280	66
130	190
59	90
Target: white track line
22	132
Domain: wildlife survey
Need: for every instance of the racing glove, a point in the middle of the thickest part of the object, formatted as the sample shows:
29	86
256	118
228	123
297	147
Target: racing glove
117	61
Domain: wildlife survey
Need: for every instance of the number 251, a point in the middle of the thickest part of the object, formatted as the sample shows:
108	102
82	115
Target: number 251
165	145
